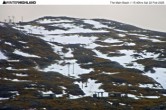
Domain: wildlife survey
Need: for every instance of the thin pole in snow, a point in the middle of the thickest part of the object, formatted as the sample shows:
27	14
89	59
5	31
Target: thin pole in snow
101	94
22	18
82	85
73	68
86	84
9	19
68	64
68	70
13	18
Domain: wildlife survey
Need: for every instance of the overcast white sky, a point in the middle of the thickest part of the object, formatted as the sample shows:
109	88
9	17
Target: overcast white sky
149	17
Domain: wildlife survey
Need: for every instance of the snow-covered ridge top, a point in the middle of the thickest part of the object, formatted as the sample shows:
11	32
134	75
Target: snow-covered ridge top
99	23
52	19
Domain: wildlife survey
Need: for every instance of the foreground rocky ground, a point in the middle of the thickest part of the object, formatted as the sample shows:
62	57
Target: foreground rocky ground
77	58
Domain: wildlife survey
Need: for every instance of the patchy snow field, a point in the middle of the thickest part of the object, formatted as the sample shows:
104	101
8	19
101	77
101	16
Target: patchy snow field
69	66
41	30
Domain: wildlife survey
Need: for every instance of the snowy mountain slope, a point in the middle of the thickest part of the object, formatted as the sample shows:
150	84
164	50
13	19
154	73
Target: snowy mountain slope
77	58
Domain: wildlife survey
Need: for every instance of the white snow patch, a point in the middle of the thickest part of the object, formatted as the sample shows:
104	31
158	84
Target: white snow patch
10	68
26	47
154	86
108	73
122	104
46	92
81	30
138	97
157	36
8	43
101	55
20	74
66	68
68	54
144	38
128	58
29	88
24	54
57	49
110	40
74	39
64	88
146	54
132	96
91	87
65	25
156	40
151	39
93	46
151	97
13	60
59	95
120	30
63	92
22	42
15	92
15	80
75	97
159	76
164	94
2	56
134	34
129	44
121	35
1	98
2	25
41	30
123	60
96	24
160	59
110	102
